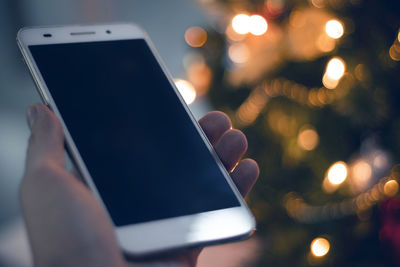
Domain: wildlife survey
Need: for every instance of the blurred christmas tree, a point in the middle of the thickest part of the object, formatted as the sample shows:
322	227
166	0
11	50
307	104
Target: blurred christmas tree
315	87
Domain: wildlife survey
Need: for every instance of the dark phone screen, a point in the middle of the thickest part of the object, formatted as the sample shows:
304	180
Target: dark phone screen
140	146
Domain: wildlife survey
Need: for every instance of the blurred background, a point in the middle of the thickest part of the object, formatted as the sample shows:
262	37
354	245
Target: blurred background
314	84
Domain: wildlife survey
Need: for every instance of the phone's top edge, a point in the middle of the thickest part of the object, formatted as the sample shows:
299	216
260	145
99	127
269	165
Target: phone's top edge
112	24
125	29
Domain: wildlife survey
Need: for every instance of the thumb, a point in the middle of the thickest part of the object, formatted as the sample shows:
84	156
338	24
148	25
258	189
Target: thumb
46	143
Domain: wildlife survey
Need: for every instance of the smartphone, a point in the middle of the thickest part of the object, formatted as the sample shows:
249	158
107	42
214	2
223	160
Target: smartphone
133	139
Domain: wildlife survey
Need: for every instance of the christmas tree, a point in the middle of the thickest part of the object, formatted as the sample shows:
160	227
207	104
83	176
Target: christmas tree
315	87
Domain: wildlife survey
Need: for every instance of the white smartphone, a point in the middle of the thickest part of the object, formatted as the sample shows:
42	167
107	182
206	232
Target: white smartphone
133	138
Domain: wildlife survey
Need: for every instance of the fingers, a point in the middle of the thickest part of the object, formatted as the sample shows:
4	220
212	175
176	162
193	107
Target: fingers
214	125
231	147
46	143
245	175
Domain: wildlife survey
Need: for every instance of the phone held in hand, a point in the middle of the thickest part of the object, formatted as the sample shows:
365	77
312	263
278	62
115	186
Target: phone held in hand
133	139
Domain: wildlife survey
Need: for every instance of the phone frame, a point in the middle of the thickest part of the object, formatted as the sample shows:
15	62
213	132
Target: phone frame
141	239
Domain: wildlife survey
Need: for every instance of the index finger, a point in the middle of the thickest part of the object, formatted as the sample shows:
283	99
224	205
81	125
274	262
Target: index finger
214	125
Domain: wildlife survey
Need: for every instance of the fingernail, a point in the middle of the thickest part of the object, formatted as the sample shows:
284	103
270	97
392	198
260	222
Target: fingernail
31	115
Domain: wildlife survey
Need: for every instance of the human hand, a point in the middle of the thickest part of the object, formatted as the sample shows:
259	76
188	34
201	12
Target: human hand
65	223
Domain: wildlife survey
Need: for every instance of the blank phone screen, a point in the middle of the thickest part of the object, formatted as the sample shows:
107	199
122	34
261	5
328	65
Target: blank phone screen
142	150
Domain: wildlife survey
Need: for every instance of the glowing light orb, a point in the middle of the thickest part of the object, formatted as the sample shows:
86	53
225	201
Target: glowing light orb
337	173
335	68
186	90
391	188
308	139
195	36
320	247
328	82
239	53
334	29
258	25
241	23
361	171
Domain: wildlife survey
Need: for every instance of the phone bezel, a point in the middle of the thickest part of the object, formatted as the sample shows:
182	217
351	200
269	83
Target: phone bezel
156	236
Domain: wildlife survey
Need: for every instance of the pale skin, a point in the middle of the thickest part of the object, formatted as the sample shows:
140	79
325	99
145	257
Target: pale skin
67	226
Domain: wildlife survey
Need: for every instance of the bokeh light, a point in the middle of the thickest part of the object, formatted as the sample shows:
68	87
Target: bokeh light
394	51
186	90
241	23
308	138
275	7
333	73
361	173
195	36
337	173
334	29
325	44
232	35
318	3
258	25
391	188
200	75
320	247
335	68
238	53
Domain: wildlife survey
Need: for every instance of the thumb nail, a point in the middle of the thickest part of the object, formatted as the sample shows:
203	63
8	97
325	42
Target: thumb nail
31	115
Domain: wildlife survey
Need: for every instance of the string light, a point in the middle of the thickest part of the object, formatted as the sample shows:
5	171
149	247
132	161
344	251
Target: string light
333	73
315	97
361	173
320	247
240	23
251	107
298	209
186	90
334	29
258	25
335	68
394	51
337	173
255	24
195	36
391	188
307	138
238	53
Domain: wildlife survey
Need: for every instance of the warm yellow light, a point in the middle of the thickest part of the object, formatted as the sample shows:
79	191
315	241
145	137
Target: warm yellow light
335	68
186	90
325	43
318	3
334	29
195	36
241	23
258	25
361	172
320	247
328	82
394	52
238	53
307	139
337	173
232	35
391	188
